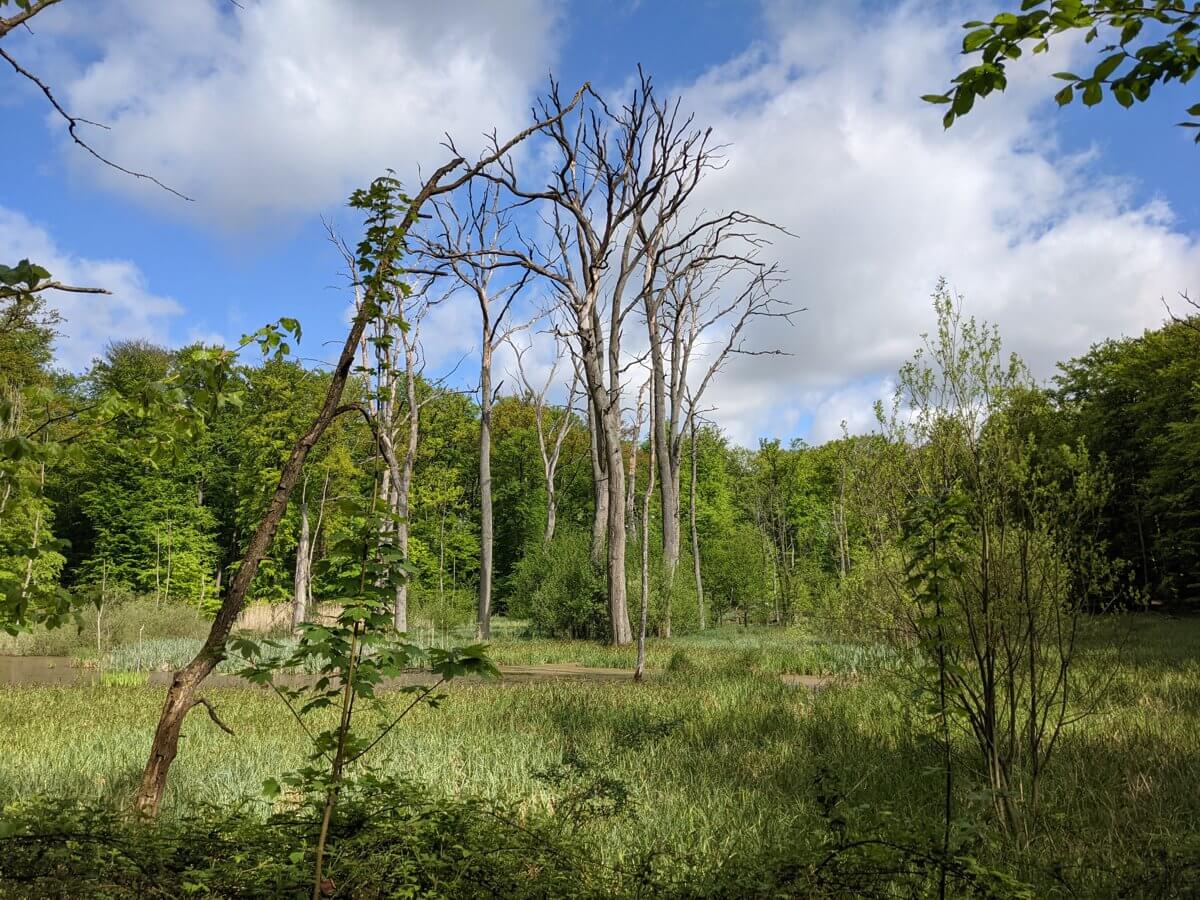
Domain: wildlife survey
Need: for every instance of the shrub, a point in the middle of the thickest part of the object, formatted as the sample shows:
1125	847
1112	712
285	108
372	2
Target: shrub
559	590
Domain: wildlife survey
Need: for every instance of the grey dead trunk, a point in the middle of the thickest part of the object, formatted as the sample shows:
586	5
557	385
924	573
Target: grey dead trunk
483	620
640	668
301	589
695	531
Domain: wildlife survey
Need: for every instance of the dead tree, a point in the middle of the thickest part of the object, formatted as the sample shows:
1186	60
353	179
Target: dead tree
696	572
702	290
466	244
182	695
640	668
394	415
639	413
550	449
618	175
306	548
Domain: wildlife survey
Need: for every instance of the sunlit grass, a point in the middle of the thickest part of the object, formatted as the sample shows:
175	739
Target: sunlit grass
719	757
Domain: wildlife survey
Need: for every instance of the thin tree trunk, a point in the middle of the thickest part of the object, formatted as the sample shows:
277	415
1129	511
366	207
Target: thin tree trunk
695	532
404	489
599	484
640	669
170	555
300	584
181	695
483	622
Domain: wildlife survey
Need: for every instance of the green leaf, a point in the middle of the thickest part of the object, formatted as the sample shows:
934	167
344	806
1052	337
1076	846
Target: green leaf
1092	93
1108	66
936	98
976	39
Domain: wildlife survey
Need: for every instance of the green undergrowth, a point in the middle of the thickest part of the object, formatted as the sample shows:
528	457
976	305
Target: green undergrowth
711	767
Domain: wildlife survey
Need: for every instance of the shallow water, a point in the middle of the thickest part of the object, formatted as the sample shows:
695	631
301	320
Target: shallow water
45	670
63	670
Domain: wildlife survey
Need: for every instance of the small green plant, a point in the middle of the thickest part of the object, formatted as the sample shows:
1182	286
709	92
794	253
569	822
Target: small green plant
351	658
123	679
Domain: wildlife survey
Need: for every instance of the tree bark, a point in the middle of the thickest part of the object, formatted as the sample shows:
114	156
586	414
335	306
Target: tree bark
695	532
302	594
599	484
640	669
483	623
404	488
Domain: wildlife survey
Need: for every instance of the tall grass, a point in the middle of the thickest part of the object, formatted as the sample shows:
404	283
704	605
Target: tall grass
717	756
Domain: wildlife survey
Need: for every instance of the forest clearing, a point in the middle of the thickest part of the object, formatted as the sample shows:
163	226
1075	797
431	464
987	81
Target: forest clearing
495	450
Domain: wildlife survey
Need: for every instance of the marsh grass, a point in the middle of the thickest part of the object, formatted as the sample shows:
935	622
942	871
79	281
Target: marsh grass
718	758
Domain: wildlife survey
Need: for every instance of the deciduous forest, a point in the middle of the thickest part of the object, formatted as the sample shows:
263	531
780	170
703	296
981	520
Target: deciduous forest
340	619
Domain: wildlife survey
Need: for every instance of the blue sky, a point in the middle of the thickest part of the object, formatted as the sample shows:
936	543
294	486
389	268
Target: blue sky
1063	226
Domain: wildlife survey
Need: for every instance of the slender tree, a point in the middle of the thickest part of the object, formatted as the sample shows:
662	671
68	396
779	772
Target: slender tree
471	233
390	215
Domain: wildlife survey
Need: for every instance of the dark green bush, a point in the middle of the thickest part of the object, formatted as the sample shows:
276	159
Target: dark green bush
559	589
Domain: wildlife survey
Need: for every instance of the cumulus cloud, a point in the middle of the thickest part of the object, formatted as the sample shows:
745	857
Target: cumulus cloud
89	320
829	138
280	108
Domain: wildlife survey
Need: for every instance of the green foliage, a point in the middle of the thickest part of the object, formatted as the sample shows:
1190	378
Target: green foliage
1135	58
559	589
351	657
388	839
720	763
1135	404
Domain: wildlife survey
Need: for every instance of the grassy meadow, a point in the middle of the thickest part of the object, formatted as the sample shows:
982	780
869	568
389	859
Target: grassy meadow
714	758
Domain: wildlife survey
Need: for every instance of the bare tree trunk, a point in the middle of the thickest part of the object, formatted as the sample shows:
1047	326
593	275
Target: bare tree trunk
404	488
640	669
631	486
695	532
301	592
483	622
618	602
170	555
599	485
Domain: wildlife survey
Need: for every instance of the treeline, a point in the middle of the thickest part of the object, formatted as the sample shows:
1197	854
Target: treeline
781	530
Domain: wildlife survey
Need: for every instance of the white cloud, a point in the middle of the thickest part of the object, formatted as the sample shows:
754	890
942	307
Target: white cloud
283	107
89	320
830	139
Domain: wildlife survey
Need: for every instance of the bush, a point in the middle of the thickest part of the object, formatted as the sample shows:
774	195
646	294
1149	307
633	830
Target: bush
559	590
387	840
443	609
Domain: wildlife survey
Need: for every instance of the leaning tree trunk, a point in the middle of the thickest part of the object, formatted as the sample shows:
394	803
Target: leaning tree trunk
181	695
483	621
